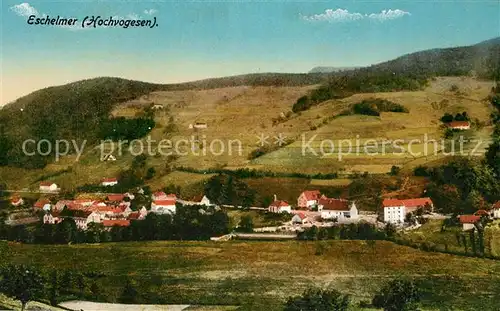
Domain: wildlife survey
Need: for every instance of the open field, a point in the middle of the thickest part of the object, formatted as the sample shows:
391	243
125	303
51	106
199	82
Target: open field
260	275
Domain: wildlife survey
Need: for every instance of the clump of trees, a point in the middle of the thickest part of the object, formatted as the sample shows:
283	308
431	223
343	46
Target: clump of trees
397	295
352	231
447	117
228	190
374	106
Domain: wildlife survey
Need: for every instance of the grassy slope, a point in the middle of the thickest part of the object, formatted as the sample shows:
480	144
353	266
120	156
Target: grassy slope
264	273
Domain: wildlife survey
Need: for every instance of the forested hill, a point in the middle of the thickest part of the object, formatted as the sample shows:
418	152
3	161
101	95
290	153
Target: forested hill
79	109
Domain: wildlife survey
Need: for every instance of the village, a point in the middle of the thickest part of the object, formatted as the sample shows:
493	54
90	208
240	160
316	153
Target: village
312	209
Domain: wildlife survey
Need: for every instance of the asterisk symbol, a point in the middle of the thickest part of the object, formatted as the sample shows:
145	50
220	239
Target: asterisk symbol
262	140
280	140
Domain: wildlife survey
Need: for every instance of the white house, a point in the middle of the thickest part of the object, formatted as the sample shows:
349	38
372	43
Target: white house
16	201
109	182
279	207
394	211
163	206
51	218
299	218
496	210
308	199
47	186
337	208
199	200
468	221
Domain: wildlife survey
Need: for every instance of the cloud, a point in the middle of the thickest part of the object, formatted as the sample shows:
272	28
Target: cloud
343	15
150	11
24	9
388	14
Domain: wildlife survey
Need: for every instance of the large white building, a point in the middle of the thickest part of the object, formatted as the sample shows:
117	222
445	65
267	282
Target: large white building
337	208
163	206
395	210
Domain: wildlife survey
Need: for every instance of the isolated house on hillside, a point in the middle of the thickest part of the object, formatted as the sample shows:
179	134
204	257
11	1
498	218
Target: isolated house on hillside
337	208
198	125
200	200
47	186
459	125
308	199
109	182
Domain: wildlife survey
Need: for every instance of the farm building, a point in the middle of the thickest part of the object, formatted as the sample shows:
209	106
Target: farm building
337	208
308	199
459	125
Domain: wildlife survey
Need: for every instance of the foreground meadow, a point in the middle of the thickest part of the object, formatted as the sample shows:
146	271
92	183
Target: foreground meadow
261	275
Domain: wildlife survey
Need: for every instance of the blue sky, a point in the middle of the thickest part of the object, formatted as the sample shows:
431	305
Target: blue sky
204	39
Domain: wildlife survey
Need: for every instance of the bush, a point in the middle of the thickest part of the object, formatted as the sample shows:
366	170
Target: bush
318	300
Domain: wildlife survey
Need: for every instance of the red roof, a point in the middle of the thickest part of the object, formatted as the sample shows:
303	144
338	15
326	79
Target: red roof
311	195
164	202
116	222
280	204
416	202
112	179
75	206
469	219
301	216
454	124
481	212
103	209
46	183
15	199
115	197
134	215
334	204
392	203
40	203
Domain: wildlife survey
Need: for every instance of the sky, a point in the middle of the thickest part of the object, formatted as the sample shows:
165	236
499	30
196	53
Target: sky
202	39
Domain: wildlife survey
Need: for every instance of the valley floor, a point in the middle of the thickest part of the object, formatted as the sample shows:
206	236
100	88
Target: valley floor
261	275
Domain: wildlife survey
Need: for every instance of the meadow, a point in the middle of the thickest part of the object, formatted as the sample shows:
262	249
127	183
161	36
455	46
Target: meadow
261	275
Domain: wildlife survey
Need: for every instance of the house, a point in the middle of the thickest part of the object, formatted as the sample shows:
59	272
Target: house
115	197
308	199
337	208
135	216
299	218
52	218
84	202
163	206
109	157
129	195
482	213
412	205
279	207
16	201
159	195
468	221
496	210
82	218
459	125
106	182
157	107
143	211
47	186
198	125
200	200
40	204
60	205
395	210
108	224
